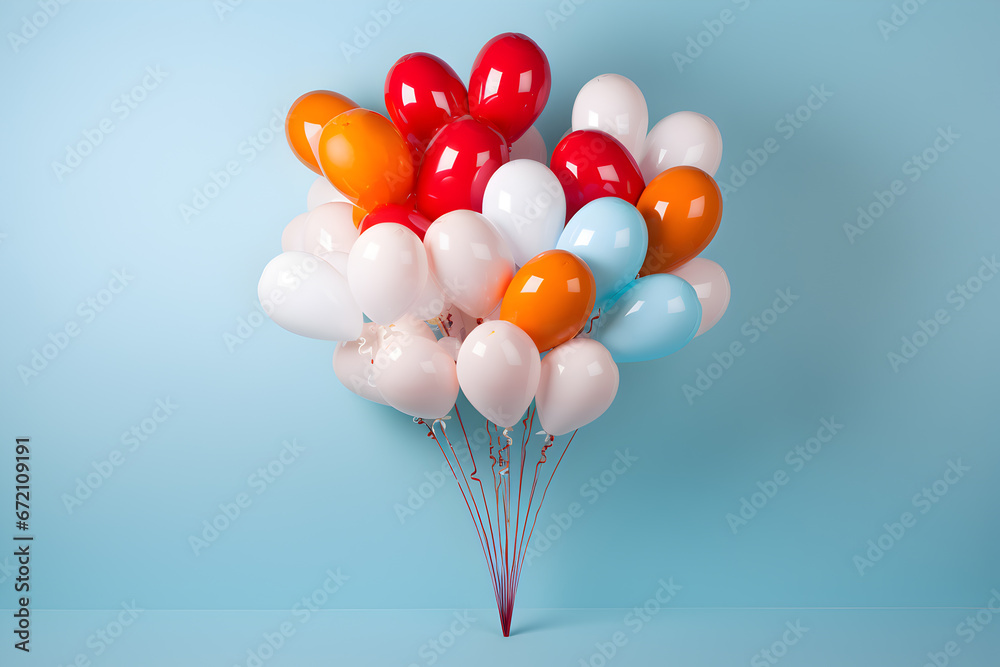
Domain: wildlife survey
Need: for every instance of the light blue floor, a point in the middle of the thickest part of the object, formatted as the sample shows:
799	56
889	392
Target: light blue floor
682	637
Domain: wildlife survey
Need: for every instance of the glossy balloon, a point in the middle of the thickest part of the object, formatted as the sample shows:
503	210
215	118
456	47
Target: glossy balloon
550	298
457	166
591	164
470	260
579	381
711	284
499	369
613	104
416	376
307	296
422	93
611	237
330	228
682	138
293	236
354	367
366	158
526	204
386	270
682	208
410	325
509	84
651	318
305	121
531	146
451	346
322	192
430	302
338	260
403	214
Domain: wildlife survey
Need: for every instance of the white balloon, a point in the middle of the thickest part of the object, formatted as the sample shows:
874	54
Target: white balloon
387	269
292	238
499	369
412	325
682	138
322	192
613	104
451	346
416	376
338	260
711	283
430	303
494	315
530	146
307	296
578	383
330	228
352	363
525	203
470	260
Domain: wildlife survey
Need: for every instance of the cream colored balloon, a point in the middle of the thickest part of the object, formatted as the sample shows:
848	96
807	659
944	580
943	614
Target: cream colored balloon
470	260
613	104
416	376
352	363
322	192
330	228
530	146
498	369
578	383
711	283
307	296
682	138
431	301
387	269
525	203
293	236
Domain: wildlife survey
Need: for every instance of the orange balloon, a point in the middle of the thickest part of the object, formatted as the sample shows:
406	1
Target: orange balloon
550	298
365	157
682	208
305	121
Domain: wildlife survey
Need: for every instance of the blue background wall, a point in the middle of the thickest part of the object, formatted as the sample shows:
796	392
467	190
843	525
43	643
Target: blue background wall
225	74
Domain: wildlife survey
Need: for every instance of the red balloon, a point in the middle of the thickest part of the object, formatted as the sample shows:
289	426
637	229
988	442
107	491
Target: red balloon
509	84
401	214
457	165
592	164
422	93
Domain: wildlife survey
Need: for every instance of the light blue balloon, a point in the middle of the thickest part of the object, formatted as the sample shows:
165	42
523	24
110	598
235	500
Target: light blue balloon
610	235
654	316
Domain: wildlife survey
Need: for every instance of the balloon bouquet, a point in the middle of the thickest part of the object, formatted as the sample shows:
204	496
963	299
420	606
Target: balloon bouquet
443	254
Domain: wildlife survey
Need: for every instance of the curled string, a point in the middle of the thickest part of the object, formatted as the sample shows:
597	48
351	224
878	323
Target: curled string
494	464
370	351
505	463
504	474
549	441
590	324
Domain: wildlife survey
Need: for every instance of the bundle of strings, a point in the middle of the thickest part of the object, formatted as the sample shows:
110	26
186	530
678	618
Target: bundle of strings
504	530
